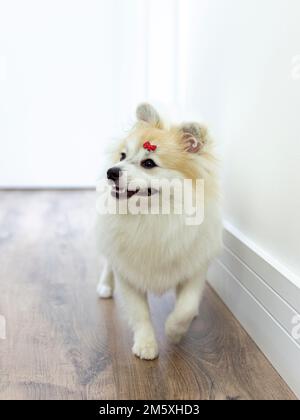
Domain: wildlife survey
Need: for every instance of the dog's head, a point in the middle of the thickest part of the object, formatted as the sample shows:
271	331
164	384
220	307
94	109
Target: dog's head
153	152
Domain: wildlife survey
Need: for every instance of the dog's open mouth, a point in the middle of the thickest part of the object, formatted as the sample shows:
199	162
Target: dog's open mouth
121	194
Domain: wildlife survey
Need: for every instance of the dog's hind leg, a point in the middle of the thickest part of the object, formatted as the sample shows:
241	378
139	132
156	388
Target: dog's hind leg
188	296
138	314
106	284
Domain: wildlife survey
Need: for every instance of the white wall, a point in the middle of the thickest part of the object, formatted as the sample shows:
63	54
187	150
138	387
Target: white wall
71	71
50	96
239	77
71	74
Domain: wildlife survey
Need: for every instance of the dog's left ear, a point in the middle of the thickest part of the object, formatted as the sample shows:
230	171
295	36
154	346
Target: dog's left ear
194	136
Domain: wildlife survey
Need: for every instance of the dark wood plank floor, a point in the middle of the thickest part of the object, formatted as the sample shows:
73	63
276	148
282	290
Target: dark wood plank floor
63	343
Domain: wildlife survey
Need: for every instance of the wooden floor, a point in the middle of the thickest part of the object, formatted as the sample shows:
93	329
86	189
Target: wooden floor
63	343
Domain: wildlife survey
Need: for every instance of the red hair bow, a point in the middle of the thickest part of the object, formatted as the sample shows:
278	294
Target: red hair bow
150	147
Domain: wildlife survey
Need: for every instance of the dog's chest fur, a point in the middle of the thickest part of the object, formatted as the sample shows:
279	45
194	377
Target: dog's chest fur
155	253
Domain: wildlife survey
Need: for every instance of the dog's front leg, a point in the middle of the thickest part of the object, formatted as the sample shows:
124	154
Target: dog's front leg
188	296
138	315
106	284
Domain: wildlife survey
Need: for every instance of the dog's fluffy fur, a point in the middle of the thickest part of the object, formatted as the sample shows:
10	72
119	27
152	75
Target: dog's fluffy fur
156	253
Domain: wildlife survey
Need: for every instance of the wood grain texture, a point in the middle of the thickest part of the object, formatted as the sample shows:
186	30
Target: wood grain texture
63	343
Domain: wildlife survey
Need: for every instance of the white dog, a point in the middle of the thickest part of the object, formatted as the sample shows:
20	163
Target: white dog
156	253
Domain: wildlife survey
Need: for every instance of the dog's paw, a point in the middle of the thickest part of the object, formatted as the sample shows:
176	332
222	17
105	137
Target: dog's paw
175	330
145	349
104	291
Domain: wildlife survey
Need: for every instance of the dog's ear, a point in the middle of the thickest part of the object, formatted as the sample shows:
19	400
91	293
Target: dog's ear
147	113
194	136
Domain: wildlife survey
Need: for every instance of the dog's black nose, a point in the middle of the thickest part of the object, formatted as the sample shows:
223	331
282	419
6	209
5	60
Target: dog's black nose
114	174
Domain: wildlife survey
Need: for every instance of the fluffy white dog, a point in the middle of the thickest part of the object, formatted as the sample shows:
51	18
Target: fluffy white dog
158	252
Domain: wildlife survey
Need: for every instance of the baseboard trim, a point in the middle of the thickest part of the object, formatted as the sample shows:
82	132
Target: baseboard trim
265	302
285	283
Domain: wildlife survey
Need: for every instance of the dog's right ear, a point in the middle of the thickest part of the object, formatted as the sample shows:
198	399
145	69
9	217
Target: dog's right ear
194	136
147	113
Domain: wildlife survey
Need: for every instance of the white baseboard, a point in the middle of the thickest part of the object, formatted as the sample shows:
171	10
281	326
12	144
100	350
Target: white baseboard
264	298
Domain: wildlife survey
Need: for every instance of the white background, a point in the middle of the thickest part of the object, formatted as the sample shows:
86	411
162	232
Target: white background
71	73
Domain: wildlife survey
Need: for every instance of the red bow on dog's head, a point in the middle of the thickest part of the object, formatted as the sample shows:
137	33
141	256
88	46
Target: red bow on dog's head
150	147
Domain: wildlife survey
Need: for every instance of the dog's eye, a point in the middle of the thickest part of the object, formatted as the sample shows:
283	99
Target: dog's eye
123	156
148	164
